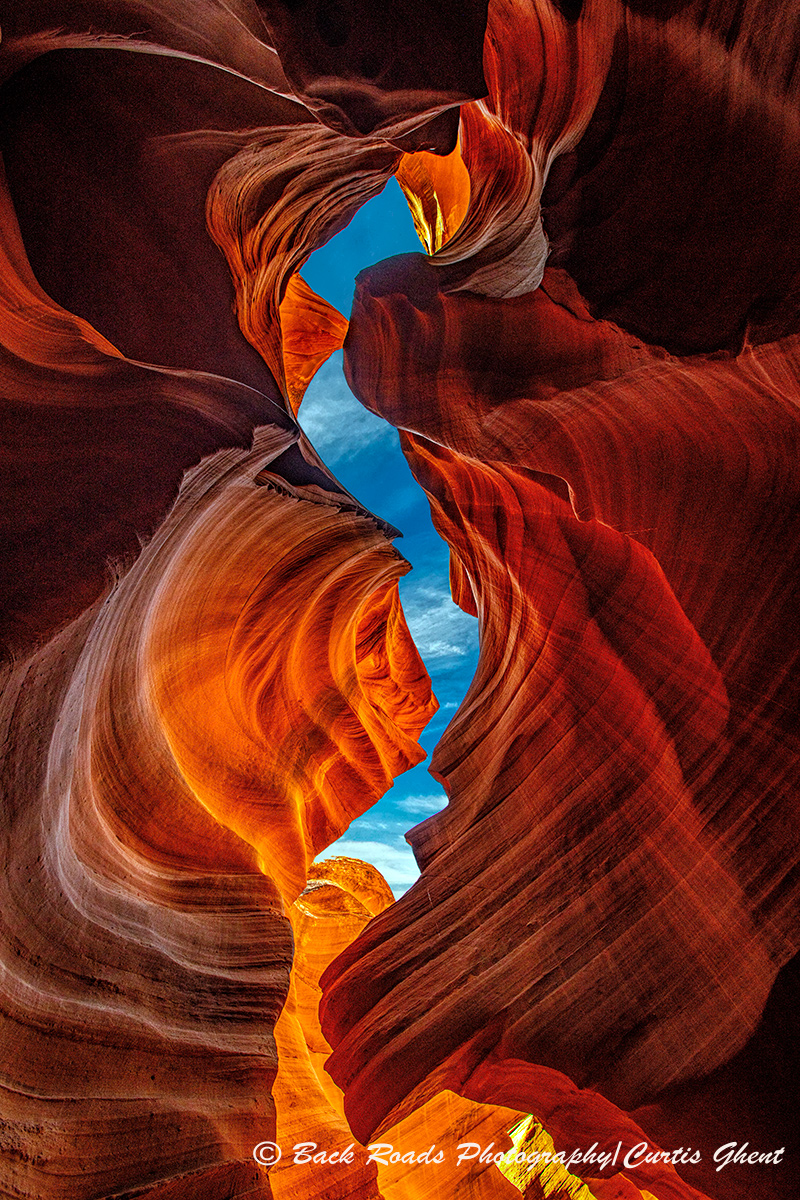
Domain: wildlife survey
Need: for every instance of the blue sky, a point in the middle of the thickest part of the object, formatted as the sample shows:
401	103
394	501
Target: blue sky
364	453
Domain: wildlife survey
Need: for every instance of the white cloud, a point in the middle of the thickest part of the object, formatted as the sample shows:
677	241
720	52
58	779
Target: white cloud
422	805
439	627
397	865
336	424
366	822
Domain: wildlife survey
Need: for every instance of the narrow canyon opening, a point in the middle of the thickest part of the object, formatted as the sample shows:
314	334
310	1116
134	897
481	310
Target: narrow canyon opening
363	451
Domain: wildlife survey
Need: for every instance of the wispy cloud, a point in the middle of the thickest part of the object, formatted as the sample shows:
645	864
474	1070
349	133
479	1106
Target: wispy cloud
439	627
422	805
337	425
369	824
397	865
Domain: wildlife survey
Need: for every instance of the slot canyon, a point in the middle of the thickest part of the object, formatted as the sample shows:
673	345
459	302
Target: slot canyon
592	367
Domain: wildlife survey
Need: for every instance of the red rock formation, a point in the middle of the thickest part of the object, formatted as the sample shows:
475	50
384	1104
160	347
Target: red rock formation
613	513
364	68
232	36
146	953
280	178
65	389
612	890
171	766
311	329
341	896
608	906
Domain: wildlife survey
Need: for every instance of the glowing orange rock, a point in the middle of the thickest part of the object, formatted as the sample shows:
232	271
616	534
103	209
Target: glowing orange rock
419	1158
446	1122
311	329
325	918
437	190
147	869
336	695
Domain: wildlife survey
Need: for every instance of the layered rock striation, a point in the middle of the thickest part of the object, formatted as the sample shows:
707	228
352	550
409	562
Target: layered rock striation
611	894
594	373
209	673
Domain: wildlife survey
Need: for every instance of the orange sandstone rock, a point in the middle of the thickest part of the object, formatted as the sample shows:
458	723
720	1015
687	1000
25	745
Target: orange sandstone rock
438	191
418	1159
146	951
311	329
595	376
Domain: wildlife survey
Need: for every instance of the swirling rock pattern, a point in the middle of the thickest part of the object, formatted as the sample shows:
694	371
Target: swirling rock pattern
595	378
616	497
171	767
645	730
341	897
155	843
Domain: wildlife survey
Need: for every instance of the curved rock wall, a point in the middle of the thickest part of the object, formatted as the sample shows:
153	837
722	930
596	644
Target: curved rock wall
612	461
209	675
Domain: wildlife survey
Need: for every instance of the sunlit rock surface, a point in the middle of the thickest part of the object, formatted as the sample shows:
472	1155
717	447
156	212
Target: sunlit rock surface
159	819
209	674
341	897
171	765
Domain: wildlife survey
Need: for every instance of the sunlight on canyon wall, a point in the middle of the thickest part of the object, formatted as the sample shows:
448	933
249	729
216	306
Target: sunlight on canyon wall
208	675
